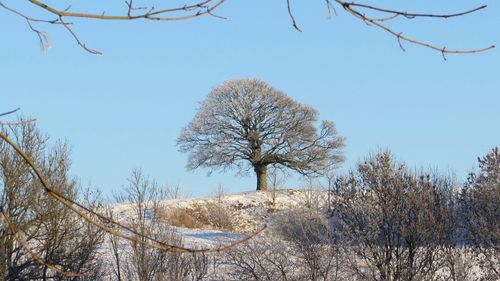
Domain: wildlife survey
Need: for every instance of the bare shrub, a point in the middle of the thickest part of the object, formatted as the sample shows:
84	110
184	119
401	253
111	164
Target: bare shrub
219	217
174	191
314	197
219	192
180	217
213	215
458	263
135	261
261	259
315	245
482	210
276	178
394	220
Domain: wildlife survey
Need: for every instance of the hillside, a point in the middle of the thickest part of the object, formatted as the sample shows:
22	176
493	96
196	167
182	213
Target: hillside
229	216
299	242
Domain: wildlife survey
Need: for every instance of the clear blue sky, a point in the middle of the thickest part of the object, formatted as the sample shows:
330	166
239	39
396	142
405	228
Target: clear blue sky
125	109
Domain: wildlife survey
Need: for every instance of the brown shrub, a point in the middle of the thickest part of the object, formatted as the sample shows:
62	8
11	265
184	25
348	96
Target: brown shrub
181	217
214	215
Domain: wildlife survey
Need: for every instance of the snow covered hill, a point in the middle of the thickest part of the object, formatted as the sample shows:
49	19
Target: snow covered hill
210	220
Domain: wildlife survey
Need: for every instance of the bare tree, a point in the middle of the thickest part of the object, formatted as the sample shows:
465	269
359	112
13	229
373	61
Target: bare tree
139	262
247	124
40	238
59	14
315	245
327	182
482	204
277	179
262	259
136	261
393	219
300	246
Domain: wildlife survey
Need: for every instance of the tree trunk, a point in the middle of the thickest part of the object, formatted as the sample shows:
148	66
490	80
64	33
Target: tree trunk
261	172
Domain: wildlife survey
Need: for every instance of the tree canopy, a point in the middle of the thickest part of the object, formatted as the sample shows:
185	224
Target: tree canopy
247	124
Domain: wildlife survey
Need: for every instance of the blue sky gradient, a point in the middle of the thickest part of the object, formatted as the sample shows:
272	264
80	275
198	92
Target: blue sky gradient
125	109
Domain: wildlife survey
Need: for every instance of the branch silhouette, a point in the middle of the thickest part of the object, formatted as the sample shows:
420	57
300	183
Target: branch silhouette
207	7
389	14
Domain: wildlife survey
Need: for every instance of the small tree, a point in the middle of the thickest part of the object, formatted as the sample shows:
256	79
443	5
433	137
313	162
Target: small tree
392	219
136	261
246	123
482	203
37	234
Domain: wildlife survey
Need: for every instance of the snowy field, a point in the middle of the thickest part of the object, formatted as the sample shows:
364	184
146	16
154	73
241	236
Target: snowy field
243	214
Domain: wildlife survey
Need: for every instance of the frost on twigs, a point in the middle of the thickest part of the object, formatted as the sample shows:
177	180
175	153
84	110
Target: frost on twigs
45	42
247	125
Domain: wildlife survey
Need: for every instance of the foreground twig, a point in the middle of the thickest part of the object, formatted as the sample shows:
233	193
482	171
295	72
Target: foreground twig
207	7
10	112
15	123
399	35
292	17
182	12
86	214
390	14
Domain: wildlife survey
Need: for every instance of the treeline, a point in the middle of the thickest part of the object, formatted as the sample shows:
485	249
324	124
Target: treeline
384	221
387	222
402	224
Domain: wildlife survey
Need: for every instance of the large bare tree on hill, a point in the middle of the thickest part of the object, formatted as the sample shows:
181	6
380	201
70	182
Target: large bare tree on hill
247	124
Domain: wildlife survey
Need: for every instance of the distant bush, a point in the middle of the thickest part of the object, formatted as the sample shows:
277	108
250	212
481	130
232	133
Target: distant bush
304	227
181	217
210	215
214	215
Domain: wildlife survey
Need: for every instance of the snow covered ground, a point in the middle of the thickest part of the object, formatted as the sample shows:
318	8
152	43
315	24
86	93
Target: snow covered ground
243	214
246	212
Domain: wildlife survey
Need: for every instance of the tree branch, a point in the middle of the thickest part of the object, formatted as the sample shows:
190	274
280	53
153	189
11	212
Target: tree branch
14	123
408	14
88	215
392	14
294	23
10	112
207	7
191	11
400	36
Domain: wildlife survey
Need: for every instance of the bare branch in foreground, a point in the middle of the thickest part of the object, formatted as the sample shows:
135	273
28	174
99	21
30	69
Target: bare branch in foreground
292	17
88	215
10	112
182	12
207	7
392	14
16	122
399	36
